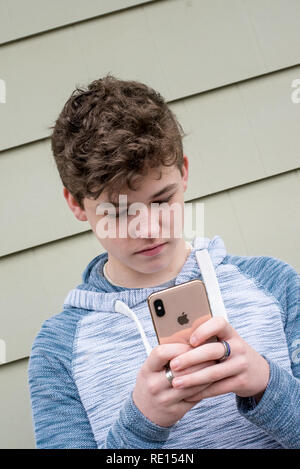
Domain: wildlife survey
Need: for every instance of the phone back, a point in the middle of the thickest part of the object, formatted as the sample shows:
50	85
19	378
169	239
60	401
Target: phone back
178	310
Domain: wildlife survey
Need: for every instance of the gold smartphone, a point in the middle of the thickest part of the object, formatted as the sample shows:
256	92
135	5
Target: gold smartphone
177	311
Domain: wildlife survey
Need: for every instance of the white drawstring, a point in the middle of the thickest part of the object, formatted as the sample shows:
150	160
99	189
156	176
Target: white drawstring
121	307
211	284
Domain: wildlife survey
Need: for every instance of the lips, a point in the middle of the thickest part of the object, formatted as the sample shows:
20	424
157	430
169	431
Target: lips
150	248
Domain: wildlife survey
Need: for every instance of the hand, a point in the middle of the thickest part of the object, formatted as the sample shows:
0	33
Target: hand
245	372
153	394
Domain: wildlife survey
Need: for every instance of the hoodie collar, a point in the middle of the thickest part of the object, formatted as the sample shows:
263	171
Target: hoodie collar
96	293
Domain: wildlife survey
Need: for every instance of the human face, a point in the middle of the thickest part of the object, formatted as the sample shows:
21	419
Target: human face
124	254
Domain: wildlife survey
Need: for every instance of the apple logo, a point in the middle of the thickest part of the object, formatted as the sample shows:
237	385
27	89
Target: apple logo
183	319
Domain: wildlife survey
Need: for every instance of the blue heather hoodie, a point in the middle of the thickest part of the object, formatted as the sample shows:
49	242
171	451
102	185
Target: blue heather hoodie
84	361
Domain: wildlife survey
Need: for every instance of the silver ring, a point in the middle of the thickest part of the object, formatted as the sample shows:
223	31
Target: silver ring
227	350
169	375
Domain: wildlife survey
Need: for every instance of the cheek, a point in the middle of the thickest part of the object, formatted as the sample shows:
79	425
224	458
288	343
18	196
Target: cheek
175	220
116	248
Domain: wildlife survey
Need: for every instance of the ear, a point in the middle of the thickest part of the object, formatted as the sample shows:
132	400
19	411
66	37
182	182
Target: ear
185	171
74	206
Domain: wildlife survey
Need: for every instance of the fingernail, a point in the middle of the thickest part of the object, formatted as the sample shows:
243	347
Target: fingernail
193	341
178	383
175	364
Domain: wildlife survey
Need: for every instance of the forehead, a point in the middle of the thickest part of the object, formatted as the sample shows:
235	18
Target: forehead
156	180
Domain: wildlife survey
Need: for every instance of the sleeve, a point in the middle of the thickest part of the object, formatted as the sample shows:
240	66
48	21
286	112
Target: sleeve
278	411
133	430
59	417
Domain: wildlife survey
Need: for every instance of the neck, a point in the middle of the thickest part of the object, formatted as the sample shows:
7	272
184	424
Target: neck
126	277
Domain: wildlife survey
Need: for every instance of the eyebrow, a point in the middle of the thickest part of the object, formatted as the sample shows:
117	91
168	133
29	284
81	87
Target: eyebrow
167	188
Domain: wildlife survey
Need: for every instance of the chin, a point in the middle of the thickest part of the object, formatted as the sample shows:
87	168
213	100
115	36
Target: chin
153	266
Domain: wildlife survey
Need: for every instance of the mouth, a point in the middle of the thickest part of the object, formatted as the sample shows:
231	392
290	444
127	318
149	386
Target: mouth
154	249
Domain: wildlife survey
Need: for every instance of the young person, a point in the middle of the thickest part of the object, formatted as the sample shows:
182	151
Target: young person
97	376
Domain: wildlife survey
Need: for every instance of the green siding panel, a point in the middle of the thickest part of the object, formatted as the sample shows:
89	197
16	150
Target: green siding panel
178	47
21	18
276	26
37	280
36	211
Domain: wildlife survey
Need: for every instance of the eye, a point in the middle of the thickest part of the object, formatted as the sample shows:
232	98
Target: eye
118	215
122	214
164	201
125	212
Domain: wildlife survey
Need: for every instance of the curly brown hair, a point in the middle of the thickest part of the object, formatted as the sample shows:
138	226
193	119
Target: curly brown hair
108	135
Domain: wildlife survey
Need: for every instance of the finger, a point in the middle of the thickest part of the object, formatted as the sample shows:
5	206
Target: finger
198	355
193	369
220	387
190	393
162	354
160	382
215	326
194	392
208	375
171	396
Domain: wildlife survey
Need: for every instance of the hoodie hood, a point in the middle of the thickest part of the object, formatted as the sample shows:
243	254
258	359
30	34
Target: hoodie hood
97	294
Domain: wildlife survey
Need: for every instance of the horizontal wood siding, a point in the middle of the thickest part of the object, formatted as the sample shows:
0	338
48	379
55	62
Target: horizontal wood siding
226	70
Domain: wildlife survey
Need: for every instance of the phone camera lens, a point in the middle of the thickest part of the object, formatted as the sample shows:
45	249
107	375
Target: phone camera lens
159	308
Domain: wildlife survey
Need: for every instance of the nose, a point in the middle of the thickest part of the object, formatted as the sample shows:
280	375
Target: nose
147	223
